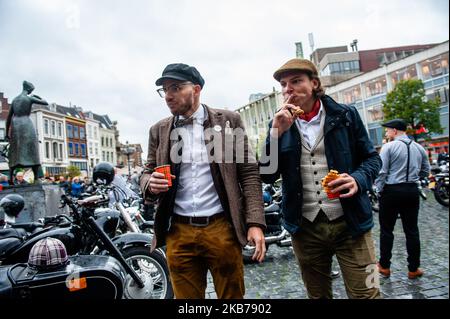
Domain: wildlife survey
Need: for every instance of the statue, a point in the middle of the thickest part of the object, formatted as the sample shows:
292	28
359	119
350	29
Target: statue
23	149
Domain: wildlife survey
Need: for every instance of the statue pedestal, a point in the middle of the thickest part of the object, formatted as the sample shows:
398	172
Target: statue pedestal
40	200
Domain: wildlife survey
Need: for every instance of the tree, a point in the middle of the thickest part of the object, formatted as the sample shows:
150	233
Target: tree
73	171
408	102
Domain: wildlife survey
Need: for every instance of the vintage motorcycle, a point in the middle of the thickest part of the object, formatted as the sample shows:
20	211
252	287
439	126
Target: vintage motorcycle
90	231
275	232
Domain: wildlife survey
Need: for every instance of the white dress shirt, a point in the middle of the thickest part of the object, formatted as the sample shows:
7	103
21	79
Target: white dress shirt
196	194
310	130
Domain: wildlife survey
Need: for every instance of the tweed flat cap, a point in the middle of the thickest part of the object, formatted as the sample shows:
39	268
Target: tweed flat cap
295	65
398	124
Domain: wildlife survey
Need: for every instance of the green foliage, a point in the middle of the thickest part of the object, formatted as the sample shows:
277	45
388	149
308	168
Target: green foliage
408	101
73	171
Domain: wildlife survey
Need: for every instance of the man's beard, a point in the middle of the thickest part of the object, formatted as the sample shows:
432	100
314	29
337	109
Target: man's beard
185	107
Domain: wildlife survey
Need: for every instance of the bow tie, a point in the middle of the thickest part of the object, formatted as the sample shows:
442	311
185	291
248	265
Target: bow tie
188	121
184	122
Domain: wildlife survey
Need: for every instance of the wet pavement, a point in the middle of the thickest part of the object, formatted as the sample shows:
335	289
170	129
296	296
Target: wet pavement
278	277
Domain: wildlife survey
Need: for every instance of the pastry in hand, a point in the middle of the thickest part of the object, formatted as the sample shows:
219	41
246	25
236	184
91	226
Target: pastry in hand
297	111
331	176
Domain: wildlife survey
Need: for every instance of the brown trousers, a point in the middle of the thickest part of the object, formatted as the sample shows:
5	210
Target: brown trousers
193	250
314	248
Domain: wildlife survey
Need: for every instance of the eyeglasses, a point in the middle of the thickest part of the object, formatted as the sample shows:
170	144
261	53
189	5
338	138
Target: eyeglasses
174	88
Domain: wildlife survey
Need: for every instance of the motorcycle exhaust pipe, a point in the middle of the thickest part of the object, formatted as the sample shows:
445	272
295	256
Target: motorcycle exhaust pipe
281	240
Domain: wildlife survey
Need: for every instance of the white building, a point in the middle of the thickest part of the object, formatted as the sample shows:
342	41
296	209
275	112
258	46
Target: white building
107	139
93	140
51	133
367	91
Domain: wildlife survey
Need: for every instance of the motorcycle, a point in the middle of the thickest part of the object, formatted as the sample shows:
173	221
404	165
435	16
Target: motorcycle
441	192
93	232
275	232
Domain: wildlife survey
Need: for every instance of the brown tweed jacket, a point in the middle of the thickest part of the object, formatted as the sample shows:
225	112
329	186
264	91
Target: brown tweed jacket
241	181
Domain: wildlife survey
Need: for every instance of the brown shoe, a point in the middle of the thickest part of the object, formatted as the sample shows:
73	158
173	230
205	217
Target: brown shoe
415	274
385	272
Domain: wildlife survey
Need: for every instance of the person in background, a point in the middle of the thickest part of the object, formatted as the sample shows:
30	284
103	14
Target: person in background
19	179
404	162
76	187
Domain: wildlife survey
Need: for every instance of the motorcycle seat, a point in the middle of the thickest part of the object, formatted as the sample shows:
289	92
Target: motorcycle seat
9	244
28	227
12	233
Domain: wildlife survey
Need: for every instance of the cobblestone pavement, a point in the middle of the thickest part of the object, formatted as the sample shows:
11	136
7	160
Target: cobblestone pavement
278	277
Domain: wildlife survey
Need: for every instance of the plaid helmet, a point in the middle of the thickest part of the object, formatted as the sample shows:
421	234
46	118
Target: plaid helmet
47	254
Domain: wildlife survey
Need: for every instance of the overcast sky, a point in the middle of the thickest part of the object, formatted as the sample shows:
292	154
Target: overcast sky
105	55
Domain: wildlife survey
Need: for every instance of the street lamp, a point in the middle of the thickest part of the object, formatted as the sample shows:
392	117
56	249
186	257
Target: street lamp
128	150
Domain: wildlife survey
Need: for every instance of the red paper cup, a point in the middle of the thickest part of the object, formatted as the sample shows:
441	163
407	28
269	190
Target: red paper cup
165	169
333	195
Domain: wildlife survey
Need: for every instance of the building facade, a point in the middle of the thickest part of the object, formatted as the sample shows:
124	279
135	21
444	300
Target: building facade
76	140
256	116
51	133
93	140
367	91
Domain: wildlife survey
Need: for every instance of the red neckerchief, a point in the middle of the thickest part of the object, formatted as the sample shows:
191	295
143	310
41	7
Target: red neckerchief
315	110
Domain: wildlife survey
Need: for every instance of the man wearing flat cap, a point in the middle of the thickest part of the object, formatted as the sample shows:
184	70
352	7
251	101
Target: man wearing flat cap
404	162
314	135
214	206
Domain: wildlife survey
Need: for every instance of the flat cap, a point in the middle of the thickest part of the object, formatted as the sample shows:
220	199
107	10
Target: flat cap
398	124
295	65
181	72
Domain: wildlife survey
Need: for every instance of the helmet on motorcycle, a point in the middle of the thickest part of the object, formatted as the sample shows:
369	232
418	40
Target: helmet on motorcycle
48	254
12	204
103	173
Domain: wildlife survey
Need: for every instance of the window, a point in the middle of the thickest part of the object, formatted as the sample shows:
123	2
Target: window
60	151
435	67
83	150
75	146
103	156
403	74
95	132
60	134
96	149
107	156
47	150
2	134
69	131
90	148
46	127
70	149
89	131
376	86
75	132
82	136
55	150
341	68
375	114
110	142
103	141
352	94
53	128
106	142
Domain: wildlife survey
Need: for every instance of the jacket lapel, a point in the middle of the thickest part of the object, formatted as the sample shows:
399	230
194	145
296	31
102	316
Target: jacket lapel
215	121
163	152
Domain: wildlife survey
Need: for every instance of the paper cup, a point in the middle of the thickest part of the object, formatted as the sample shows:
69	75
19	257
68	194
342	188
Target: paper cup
165	169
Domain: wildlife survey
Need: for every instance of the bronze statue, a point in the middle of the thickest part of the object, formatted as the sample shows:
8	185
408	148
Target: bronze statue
23	149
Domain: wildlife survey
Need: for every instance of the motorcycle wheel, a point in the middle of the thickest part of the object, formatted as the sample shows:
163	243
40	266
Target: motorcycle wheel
441	193
153	269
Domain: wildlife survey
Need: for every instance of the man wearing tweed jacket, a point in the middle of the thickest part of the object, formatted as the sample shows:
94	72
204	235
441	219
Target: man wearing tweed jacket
214	206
